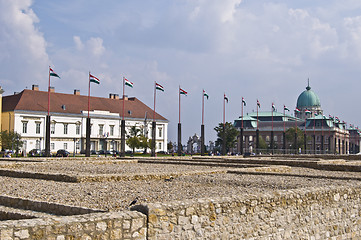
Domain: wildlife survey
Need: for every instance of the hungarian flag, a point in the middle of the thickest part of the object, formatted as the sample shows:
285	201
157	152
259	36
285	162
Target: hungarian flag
316	114
273	107
330	117
52	73
159	87
337	119
285	108
128	83
258	104
225	98
297	110
205	94
94	79
181	91
243	102
307	111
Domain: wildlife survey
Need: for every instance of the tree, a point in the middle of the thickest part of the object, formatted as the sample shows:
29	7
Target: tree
290	138
145	143
230	136
11	140
170	146
262	145
133	140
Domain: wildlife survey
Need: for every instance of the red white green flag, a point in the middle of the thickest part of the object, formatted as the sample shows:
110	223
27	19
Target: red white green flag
52	73
243	102
297	110
258	104
159	87
307	111
273	107
181	91
285	108
225	98
128	83
205	94
94	79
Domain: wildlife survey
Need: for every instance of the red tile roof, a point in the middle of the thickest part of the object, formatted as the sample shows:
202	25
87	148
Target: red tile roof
31	100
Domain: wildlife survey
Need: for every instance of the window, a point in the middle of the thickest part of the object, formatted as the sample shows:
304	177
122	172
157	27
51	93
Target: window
77	129
275	138
65	128
37	128
25	127
111	130
52	146
101	129
65	146
52	128
160	145
160	132
77	145
267	138
250	138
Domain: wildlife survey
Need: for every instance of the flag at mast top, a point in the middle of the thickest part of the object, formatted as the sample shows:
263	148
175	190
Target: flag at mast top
94	79
52	73
128	83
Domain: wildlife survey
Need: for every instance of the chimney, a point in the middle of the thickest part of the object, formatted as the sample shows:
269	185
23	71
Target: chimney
52	89
111	95
76	92
35	87
116	96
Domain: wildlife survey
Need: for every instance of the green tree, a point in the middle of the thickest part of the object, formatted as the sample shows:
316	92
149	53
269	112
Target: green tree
133	138
290	138
262	144
230	136
170	146
145	143
11	140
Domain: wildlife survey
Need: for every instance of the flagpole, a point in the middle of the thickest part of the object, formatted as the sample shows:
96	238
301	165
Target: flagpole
123	97
224	125
202	125
49	94
89	96
179	124
122	125
47	123
179	107
242	112
241	133
153	124
314	133
257	131
203	107
272	138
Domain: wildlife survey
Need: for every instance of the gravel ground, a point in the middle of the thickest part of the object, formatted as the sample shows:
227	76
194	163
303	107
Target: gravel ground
117	195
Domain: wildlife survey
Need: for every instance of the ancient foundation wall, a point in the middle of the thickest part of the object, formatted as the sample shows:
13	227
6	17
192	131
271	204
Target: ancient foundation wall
113	225
327	213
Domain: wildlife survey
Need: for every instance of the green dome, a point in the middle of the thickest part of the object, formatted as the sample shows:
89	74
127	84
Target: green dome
308	99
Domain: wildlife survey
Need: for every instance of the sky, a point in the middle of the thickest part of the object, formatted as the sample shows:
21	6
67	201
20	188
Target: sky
254	49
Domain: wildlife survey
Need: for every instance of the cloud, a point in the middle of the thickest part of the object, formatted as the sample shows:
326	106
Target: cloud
22	45
93	45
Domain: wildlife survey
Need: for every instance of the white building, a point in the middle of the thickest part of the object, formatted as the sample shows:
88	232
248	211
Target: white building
25	113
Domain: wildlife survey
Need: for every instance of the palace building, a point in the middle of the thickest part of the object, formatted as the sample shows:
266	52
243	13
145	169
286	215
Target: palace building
320	134
25	113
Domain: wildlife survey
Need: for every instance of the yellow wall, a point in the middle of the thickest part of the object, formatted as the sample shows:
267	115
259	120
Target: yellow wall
7	121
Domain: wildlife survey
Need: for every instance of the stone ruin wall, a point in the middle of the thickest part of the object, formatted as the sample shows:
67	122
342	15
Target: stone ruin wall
312	213
291	214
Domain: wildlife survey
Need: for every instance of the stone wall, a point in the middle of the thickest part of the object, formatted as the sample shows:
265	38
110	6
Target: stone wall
112	226
331	213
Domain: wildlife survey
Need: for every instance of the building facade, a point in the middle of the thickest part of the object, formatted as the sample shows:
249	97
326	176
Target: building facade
321	134
25	113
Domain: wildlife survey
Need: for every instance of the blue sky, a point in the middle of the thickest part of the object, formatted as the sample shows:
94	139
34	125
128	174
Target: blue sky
257	49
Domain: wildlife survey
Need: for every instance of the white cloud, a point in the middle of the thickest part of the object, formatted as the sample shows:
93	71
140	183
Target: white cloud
22	46
93	45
